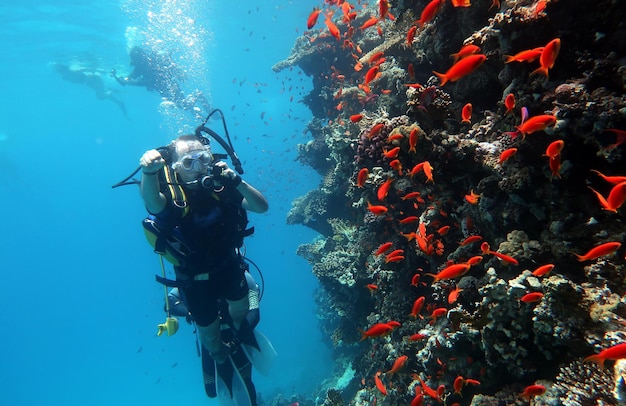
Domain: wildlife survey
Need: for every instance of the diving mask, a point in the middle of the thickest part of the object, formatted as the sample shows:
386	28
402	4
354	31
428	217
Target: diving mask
194	161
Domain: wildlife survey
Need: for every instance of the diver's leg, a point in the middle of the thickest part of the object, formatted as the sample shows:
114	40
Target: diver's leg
238	310
211	339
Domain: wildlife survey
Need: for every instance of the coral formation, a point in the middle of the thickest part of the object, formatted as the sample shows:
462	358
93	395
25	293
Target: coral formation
406	183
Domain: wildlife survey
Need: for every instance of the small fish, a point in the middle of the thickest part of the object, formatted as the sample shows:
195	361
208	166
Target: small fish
509	103
413	136
506	154
355	118
383	190
611	179
536	123
375	130
612	353
555	166
332	28
461	3
616	197
417	337
410	36
472	198
429	12
379	384
398	364
548	57
532	297
458	385
372	287
369	23
599	251
466	50
409	220
454	295
392	153
532	391
466	113
470	239
528	55
377	210
417	307
543	270
451	272
371	74
383	248
461	69
475	260
554	149
361	177
377	330
312	20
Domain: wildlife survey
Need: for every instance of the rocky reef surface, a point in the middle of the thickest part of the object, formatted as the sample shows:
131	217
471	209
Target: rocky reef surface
409	175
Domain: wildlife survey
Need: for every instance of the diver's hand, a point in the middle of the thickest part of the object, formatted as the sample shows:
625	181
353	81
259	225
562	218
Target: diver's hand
151	162
226	176
113	73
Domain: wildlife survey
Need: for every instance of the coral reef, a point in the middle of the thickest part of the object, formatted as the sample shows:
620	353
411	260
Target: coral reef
434	231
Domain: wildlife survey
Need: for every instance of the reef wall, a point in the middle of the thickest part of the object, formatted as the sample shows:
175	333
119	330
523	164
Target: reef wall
437	218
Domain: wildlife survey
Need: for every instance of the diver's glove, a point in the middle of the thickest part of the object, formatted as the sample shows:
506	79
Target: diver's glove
226	176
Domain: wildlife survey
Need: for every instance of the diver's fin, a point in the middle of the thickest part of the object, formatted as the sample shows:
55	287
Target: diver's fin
224	383
261	353
240	390
208	373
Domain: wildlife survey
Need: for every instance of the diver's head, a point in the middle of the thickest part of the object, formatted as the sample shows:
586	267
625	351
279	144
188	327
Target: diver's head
192	160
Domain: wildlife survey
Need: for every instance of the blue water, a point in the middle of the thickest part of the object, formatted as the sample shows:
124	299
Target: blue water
80	301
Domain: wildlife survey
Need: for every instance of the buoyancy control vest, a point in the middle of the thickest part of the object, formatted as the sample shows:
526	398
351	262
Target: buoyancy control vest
199	227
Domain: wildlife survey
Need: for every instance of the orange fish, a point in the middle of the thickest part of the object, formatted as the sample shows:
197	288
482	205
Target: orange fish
454	295
611	179
475	260
332	28
383	248
466	113
410	36
377	210
599	251
383	190
438	312
409	220
555	148
376	129
372	287
451	272
532	391
461	3
393	254
616	198
428	171
509	103
379	384
543	270
472	198
411	71
411	195
462	68
429	12
392	153
612	353
415	279
371	74
470	239
532	297
555	166
528	55
507	154
396	166
466	50
443	230
417	307
355	118
548	57
312	20
362	177
458	385
536	123
417	337
504	257
377	330
376	57
398	364
413	136
369	23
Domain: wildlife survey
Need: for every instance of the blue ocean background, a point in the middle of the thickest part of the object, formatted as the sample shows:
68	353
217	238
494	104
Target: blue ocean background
80	304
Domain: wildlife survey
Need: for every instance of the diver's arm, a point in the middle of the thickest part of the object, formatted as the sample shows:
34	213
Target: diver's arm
253	200
151	163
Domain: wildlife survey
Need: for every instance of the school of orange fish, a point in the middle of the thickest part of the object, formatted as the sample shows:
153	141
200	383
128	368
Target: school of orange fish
415	225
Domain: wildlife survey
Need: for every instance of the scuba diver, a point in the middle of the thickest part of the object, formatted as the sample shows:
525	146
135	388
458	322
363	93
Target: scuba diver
91	78
157	71
197	221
